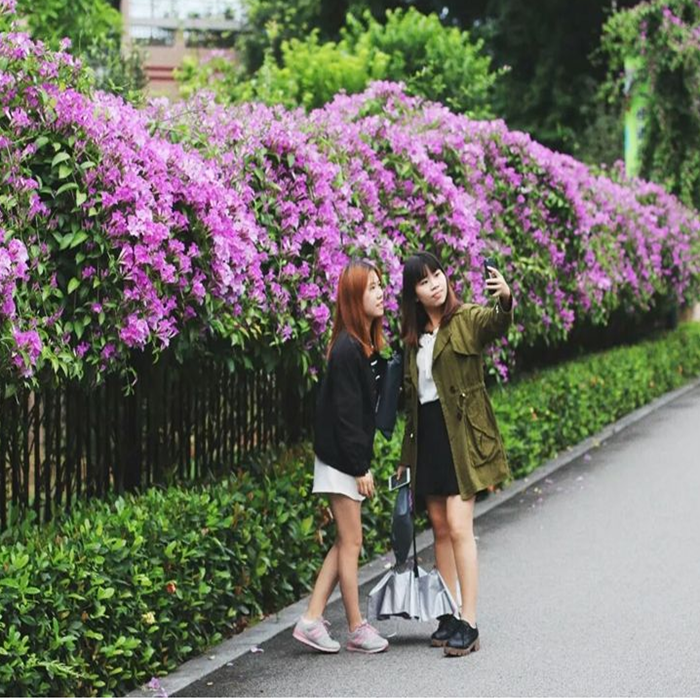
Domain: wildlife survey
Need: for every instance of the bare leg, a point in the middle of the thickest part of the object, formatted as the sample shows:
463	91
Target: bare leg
444	555
460	520
346	513
325	583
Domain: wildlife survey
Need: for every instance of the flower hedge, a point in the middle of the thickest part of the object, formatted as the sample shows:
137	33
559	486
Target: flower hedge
204	226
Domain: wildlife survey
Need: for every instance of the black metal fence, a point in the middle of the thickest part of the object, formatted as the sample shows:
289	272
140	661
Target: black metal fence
182	423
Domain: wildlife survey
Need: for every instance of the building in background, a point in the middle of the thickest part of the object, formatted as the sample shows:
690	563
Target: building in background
168	30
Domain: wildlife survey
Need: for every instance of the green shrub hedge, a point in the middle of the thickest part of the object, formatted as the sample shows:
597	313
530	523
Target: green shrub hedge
102	599
558	407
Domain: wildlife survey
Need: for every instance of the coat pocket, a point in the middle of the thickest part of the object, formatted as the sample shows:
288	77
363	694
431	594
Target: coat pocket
481	430
465	344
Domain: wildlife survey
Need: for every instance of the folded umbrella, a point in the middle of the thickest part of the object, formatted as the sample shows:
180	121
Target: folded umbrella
402	525
408	591
412	594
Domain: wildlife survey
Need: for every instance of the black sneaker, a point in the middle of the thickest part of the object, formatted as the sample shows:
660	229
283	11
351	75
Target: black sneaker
446	628
464	640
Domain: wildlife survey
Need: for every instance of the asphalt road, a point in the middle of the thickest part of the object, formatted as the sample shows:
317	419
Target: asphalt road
589	586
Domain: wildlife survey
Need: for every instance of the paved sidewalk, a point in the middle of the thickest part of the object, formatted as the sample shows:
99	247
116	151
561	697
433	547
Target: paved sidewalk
589	586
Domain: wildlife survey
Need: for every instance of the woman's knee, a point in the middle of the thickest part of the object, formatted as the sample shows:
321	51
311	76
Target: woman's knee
438	519
348	522
460	519
460	529
441	529
349	541
461	533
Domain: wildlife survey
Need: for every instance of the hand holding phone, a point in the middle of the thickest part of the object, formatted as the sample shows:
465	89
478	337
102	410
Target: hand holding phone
402	478
496	284
488	262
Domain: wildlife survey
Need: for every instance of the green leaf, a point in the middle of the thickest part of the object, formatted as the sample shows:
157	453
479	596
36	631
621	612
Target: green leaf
21	561
64	171
105	593
65	187
80	197
78	238
73	285
60	158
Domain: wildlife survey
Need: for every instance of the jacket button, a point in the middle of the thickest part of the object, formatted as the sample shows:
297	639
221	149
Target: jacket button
459	415
411	436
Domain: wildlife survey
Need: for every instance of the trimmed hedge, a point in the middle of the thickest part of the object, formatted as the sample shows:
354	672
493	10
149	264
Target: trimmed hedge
560	406
102	599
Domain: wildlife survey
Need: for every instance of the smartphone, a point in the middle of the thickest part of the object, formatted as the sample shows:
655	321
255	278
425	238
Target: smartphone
488	262
395	483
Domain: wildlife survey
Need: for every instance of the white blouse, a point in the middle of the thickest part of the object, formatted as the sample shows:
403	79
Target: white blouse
427	391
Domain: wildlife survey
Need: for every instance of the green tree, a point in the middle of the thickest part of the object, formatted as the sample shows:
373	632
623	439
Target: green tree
94	28
664	36
271	22
310	73
438	62
441	63
84	22
550	90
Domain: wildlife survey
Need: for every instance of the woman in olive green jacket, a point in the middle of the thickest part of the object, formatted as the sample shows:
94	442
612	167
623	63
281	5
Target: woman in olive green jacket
451	443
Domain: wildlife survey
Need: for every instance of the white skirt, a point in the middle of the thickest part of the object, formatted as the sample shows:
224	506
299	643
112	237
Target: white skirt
327	479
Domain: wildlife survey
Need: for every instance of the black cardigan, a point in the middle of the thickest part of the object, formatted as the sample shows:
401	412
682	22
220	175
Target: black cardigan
344	429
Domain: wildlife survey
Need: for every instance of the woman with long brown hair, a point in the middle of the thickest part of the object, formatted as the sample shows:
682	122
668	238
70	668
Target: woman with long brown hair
343	443
451	443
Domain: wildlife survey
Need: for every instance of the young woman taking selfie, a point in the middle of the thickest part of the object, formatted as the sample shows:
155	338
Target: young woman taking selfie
451	443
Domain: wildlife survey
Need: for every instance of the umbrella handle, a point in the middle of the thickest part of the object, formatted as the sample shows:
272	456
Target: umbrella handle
413	519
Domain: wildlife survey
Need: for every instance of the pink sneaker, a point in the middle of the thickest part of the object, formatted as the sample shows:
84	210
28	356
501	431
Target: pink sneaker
315	634
366	639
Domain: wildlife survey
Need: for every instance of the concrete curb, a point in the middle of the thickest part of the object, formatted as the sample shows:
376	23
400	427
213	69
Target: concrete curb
225	653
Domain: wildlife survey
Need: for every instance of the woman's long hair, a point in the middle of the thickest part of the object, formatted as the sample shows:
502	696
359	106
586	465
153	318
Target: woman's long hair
413	316
349	310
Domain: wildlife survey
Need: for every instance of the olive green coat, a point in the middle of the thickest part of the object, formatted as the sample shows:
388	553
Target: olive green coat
477	448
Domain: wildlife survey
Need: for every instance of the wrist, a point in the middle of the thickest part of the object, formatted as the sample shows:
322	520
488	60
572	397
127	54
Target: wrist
506	301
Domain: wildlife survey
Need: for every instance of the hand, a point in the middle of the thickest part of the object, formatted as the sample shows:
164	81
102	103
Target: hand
399	471
498	287
365	485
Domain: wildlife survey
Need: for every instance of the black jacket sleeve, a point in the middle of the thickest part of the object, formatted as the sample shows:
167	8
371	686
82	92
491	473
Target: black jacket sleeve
347	374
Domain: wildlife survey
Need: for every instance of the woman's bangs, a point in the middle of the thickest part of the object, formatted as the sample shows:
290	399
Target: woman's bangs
418	266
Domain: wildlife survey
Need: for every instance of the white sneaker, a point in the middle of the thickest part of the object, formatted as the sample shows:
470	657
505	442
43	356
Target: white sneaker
314	634
366	639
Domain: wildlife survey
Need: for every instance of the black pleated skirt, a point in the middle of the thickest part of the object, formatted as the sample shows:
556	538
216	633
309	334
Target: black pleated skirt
435	470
